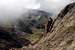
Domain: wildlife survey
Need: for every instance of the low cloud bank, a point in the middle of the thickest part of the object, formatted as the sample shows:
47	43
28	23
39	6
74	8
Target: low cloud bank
12	9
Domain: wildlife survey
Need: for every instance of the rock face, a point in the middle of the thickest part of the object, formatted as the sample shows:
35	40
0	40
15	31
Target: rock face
62	36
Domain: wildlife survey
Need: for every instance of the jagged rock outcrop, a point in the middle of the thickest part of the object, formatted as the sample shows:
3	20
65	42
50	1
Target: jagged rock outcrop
62	36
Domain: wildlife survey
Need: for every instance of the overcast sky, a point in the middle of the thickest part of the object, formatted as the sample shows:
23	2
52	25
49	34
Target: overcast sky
11	9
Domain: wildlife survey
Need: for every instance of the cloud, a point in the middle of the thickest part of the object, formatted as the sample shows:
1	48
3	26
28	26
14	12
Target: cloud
12	9
54	6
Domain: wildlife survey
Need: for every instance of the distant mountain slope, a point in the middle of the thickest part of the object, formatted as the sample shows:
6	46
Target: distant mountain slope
9	33
28	20
32	19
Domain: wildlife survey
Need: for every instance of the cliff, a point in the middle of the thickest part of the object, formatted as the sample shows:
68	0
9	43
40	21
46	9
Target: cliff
62	36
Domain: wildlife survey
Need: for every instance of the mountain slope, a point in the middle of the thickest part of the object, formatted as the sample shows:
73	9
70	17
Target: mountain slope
14	30
62	36
32	19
